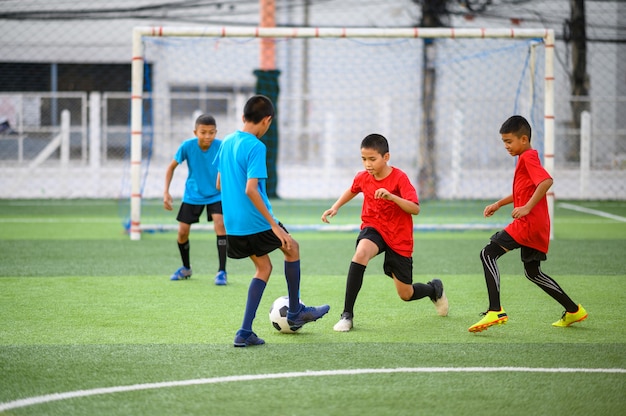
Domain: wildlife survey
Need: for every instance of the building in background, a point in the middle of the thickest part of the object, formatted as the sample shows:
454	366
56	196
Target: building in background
77	57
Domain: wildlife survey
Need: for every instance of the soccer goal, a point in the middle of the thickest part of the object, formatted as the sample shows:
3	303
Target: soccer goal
439	95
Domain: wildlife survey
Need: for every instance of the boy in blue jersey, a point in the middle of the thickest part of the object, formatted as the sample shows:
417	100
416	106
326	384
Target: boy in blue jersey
251	228
200	192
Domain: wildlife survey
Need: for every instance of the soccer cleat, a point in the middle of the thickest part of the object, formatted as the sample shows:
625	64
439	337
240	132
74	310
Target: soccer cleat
440	299
220	278
249	341
307	314
490	318
569	318
345	323
182	273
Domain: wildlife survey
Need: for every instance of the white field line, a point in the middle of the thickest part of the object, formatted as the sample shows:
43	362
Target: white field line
592	212
29	401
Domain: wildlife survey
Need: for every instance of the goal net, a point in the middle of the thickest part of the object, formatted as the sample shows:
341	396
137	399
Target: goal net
438	95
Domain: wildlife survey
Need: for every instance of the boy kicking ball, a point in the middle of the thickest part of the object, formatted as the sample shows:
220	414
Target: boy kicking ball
389	203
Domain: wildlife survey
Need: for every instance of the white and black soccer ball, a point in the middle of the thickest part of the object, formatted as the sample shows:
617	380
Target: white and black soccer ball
278	316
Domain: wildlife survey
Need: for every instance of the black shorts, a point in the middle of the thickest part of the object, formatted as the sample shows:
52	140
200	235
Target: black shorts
259	244
190	214
527	254
394	264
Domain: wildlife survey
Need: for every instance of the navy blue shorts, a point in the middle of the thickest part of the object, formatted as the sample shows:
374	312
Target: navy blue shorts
394	264
190	214
527	254
259	244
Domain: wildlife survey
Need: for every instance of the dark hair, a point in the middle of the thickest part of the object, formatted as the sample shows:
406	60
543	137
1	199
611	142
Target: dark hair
257	108
376	142
517	125
205	120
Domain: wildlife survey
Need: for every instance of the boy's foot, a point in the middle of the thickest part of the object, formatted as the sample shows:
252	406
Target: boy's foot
490	318
569	318
345	323
182	273
439	300
307	314
247	341
220	278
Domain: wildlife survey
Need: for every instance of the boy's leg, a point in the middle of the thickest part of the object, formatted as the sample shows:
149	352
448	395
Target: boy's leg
488	257
263	268
534	273
292	276
183	272
495	314
245	336
365	250
215	213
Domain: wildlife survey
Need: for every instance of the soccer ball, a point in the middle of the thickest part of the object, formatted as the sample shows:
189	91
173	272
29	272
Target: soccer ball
278	316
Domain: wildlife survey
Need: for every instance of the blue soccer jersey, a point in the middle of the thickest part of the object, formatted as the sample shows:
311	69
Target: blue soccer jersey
200	187
241	157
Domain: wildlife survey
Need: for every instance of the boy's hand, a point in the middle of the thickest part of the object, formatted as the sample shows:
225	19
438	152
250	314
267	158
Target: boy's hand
491	209
329	213
519	212
167	201
382	193
283	236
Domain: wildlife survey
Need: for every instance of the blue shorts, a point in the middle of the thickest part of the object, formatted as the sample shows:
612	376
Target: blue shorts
395	264
190	214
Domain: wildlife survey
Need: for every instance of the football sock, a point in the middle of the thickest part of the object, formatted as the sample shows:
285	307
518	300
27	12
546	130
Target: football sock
421	290
221	251
255	293
292	275
533	273
353	286
184	253
488	257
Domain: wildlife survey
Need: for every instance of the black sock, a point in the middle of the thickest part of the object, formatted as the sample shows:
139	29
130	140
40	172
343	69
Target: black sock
221	251
353	286
184	253
421	290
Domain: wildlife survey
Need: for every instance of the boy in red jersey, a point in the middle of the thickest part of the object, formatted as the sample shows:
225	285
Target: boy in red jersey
390	201
529	231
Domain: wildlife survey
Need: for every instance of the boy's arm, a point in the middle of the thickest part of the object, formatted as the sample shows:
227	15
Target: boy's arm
169	174
539	193
343	199
407	206
491	209
252	192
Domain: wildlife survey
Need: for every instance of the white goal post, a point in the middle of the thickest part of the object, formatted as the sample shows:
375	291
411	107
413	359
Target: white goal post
137	87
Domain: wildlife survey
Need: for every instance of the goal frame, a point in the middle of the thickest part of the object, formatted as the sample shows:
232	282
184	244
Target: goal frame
316	32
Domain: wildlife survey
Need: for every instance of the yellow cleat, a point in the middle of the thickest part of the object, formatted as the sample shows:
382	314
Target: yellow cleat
490	318
569	318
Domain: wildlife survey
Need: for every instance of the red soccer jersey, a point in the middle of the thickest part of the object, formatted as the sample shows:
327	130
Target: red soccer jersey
532	230
393	224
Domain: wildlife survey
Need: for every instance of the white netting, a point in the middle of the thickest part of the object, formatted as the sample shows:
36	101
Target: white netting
439	102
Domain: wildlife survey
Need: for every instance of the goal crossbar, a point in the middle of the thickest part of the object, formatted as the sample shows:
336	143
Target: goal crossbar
139	32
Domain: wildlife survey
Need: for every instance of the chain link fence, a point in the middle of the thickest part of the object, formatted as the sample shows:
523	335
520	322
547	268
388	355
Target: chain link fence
62	61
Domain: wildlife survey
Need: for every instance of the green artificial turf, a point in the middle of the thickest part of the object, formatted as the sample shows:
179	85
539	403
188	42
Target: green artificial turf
82	307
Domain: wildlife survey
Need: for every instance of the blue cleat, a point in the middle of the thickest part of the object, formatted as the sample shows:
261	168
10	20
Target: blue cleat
247	341
182	273
307	314
220	278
